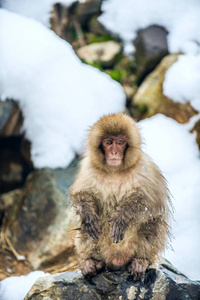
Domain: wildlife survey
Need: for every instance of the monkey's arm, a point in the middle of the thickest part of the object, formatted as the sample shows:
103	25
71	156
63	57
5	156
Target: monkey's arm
133	208
86	208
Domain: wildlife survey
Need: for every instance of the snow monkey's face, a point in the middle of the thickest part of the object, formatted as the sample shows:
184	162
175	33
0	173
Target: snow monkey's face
114	149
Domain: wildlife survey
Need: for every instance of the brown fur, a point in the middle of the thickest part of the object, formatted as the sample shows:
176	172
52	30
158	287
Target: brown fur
131	199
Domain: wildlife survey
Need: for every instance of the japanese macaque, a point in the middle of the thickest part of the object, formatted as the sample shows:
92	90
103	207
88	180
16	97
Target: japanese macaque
121	199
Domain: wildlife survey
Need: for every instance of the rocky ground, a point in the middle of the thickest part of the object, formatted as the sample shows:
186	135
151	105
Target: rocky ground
157	284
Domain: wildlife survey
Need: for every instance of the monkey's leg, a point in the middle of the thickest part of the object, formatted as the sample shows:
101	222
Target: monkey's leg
137	268
91	267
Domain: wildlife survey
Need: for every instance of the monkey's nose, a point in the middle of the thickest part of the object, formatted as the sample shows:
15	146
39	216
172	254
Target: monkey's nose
114	152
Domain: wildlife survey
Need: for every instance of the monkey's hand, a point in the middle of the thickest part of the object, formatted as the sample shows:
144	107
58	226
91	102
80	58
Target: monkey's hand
119	227
90	222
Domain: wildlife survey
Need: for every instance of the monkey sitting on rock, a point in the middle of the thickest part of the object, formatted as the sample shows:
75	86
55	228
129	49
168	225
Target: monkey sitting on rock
121	199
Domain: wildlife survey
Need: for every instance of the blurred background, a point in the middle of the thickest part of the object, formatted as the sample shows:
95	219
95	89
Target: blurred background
62	66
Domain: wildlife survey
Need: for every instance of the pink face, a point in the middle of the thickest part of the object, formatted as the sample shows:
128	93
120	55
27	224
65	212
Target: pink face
114	148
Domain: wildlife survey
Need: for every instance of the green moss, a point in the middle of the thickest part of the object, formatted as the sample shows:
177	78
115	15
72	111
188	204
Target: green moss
143	109
98	39
73	34
95	64
115	74
119	58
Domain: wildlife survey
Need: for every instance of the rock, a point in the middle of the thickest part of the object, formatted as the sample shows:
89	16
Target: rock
95	27
150	48
9	199
42	228
10	118
8	202
103	53
149	98
69	22
196	129
25	150
158	284
85	10
13	167
129	91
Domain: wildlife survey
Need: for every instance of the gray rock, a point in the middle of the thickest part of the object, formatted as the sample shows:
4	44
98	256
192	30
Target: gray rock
151	47
158	284
41	229
10	118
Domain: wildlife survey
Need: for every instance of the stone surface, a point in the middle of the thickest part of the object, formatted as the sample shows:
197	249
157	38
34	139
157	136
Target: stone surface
95	27
130	91
149	98
85	10
9	199
10	118
158	284
150	48
196	129
103	53
25	150
13	167
69	22
41	229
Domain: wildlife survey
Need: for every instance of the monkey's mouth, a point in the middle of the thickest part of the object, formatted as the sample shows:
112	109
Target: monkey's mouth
114	162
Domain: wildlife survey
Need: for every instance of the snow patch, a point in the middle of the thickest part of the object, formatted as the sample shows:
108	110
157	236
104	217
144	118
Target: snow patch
182	80
39	10
173	148
16	287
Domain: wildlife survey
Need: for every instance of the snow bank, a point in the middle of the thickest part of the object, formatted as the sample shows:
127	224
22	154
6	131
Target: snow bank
180	18
16	287
59	96
39	10
182	80
175	151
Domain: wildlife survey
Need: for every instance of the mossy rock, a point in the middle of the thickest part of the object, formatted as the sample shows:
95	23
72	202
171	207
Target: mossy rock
150	100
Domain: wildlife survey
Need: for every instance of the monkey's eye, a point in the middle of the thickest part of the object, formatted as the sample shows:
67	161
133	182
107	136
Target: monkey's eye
108	142
120	142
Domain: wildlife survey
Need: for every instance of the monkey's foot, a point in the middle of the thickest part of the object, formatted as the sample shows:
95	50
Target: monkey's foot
137	268
91	267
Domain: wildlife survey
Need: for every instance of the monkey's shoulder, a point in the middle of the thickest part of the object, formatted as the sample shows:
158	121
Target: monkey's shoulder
144	174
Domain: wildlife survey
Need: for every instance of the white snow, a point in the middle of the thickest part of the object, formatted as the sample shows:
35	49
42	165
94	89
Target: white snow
182	80
39	10
180	18
16	287
173	148
59	96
